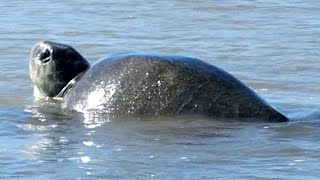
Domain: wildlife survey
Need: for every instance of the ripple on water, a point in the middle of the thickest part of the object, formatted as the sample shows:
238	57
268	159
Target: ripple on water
272	46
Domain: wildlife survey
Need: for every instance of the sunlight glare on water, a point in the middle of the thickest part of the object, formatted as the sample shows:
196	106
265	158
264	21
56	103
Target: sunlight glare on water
272	46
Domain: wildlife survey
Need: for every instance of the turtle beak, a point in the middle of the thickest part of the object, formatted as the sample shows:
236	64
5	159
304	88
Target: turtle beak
41	53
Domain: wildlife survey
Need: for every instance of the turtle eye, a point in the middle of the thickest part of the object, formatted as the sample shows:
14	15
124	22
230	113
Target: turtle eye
44	56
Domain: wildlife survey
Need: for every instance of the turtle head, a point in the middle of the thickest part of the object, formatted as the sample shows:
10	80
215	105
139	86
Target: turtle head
52	66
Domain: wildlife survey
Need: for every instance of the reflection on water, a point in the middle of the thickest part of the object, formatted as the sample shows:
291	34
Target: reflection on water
270	45
182	147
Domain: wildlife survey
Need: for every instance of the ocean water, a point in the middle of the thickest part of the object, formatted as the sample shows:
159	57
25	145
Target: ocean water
273	46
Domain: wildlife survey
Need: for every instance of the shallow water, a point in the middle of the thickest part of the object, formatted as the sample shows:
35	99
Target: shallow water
272	46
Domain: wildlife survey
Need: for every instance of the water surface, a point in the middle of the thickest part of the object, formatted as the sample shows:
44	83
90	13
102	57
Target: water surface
272	46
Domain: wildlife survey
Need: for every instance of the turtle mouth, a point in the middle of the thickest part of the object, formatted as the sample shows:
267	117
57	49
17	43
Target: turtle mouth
45	56
42	53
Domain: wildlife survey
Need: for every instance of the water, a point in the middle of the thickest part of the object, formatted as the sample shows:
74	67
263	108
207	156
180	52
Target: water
272	46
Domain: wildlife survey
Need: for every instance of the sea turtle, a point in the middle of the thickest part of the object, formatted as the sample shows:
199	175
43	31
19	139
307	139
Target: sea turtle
143	85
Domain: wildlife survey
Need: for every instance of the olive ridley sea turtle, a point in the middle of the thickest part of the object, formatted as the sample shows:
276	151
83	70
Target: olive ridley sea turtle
143	85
